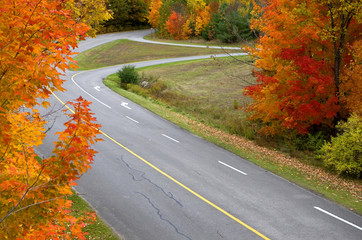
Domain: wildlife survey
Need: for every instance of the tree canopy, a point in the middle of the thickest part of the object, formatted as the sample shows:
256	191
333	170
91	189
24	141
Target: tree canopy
308	66
37	42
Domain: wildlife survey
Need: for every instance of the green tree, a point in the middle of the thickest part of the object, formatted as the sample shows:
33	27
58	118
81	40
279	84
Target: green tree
127	14
228	25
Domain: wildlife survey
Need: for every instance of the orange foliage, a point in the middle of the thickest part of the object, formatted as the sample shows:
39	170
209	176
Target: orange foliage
37	40
196	13
298	83
351	81
177	26
202	18
154	15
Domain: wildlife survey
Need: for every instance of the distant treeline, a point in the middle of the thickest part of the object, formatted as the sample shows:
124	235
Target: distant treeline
127	15
225	20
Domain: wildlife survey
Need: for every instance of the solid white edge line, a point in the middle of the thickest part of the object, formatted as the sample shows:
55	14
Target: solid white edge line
233	168
170	138
87	92
132	119
341	219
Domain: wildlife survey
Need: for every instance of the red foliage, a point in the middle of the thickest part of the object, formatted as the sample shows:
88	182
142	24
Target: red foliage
177	26
298	85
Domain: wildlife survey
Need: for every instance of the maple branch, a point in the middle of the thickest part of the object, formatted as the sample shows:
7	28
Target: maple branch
3	73
46	185
48	114
72	138
239	60
34	204
53	122
2	158
11	211
238	76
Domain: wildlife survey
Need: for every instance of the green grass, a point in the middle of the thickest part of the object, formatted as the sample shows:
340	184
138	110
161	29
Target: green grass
126	51
209	90
97	231
208	97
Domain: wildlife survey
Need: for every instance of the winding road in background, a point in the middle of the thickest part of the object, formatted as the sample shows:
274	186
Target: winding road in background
153	180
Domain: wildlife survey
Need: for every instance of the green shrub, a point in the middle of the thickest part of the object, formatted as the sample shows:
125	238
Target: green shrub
128	74
343	153
309	142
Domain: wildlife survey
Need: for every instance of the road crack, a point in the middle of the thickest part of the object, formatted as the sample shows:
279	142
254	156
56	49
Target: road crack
219	234
143	177
158	211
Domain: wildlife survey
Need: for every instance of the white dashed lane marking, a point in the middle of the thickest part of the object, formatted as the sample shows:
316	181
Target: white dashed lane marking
336	217
232	168
132	119
170	138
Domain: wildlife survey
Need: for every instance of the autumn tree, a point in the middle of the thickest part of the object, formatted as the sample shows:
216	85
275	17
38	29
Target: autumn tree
154	15
304	49
91	12
178	26
37	41
163	14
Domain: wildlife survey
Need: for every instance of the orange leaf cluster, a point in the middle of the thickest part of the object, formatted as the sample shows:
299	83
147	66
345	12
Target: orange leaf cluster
154	15
37	39
177	26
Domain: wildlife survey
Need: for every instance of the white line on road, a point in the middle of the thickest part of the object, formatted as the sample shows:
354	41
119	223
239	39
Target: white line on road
124	104
87	92
232	168
341	219
97	88
170	138
132	119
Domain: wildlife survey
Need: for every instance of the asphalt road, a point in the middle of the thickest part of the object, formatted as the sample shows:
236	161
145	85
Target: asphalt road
152	180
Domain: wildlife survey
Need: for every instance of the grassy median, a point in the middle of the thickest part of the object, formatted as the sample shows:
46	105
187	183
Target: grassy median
126	51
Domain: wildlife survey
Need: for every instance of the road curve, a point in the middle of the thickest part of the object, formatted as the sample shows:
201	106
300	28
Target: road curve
153	180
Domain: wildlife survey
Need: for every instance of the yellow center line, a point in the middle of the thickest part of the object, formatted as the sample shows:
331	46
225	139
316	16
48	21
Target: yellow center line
177	182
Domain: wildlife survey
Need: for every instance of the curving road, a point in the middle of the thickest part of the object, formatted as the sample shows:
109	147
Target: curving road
152	180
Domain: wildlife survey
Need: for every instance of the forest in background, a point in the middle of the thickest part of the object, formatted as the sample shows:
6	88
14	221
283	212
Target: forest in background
307	56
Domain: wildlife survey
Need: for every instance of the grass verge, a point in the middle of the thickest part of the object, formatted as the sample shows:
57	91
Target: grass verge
126	51
343	191
195	41
97	231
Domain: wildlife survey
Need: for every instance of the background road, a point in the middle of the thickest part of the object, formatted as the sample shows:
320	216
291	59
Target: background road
206	191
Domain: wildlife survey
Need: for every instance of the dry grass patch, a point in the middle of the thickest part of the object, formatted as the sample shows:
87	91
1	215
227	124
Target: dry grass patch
209	90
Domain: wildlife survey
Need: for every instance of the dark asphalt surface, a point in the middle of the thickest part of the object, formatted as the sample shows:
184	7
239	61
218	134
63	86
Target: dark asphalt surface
141	203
